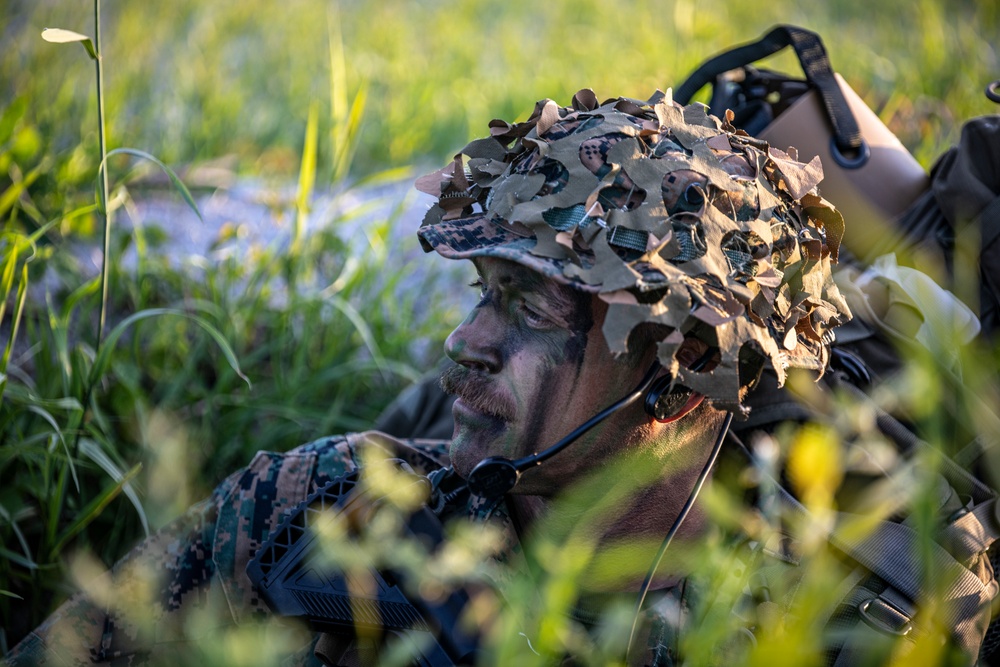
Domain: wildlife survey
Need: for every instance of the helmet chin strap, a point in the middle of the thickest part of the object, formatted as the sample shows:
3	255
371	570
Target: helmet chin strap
664	401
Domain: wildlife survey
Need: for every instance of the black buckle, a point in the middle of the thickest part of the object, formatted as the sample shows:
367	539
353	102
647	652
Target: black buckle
881	624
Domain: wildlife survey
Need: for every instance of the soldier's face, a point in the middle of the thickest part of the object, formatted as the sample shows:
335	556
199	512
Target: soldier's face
532	365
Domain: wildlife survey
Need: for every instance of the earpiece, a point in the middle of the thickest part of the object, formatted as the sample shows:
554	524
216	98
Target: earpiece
663	401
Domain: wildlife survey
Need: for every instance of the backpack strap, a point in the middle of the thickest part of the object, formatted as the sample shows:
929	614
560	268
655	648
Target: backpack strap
901	558
973	532
815	64
869	619
907	441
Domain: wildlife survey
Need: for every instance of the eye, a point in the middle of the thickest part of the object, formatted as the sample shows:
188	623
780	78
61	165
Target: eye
533	318
480	285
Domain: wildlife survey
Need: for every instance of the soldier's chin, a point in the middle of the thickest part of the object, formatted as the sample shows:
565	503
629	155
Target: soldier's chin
477	435
469	446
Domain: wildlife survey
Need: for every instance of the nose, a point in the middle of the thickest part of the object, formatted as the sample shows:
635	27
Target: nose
475	342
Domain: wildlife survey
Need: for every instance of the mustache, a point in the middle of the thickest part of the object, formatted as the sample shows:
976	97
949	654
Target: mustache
478	392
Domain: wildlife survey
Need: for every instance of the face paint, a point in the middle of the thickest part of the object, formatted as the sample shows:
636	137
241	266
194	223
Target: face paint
531	366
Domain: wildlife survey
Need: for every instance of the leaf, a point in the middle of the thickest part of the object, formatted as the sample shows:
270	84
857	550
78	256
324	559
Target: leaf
307	175
103	359
11	194
22	291
92	450
61	36
10	595
87	289
11	115
174	178
7	278
47	416
94	509
348	134
362	328
26	559
21	396
42	230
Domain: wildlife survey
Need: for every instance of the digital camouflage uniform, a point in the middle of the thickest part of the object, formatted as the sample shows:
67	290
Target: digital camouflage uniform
202	559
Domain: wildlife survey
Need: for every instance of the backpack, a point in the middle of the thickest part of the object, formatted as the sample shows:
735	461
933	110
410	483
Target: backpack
917	218
868	174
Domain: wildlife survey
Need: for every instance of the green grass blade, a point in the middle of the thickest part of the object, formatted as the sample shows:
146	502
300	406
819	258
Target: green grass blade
103	360
307	176
47	416
22	292
7	279
94	509
10	116
88	289
92	450
362	328
15	557
171	174
10	195
26	560
23	396
75	213
338	67
349	138
53	496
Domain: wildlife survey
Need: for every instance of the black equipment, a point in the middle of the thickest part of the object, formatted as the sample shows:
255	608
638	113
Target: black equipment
295	579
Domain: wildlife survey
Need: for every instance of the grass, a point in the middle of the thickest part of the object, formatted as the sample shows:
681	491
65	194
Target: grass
236	79
100	444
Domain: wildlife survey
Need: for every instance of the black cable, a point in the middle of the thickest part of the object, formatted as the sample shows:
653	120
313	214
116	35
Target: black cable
535	459
644	385
993	91
496	475
644	589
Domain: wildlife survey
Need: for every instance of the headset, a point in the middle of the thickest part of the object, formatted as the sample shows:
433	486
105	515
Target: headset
495	476
664	398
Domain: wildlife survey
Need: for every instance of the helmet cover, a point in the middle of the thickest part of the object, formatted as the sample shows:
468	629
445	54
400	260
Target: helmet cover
670	215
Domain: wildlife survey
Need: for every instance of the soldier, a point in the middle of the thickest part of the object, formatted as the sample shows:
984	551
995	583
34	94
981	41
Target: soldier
630	248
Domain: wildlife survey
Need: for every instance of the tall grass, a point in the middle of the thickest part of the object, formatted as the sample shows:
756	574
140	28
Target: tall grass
167	388
236	77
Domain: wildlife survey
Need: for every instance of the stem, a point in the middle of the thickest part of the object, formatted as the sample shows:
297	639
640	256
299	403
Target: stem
104	173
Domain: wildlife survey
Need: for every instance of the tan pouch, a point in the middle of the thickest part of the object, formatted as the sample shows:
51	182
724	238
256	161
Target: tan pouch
869	196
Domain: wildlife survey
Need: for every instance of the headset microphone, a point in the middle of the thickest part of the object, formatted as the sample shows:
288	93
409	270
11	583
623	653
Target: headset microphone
494	476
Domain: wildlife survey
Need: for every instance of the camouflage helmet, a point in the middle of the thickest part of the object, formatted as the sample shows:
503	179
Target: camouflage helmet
670	215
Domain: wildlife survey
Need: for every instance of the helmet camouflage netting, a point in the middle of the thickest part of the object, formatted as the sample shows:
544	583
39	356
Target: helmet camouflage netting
672	216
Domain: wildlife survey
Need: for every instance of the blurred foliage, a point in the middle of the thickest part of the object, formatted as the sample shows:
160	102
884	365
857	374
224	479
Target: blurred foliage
96	449
192	81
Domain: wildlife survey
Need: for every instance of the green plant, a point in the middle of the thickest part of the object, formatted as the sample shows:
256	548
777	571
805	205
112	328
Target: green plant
106	437
326	337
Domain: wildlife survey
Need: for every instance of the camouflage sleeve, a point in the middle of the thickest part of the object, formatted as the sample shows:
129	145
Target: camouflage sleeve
175	597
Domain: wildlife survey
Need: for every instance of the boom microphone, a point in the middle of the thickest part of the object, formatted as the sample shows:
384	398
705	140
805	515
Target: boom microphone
497	475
